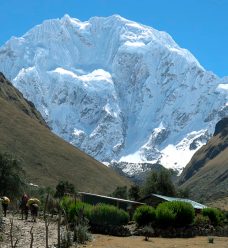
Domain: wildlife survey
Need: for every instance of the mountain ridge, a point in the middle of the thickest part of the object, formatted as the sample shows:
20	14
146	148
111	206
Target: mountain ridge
206	175
118	90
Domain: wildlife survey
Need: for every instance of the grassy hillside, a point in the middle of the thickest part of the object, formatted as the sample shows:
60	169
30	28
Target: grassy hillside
207	173
45	157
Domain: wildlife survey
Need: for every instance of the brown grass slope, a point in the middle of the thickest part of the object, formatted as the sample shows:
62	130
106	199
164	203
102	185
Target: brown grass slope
206	175
45	157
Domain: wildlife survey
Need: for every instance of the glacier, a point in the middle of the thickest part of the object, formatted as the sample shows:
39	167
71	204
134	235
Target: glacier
118	90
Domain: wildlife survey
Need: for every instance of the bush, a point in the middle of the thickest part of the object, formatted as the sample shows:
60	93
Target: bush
175	213
66	203
165	216
214	214
66	239
81	233
144	215
103	214
79	209
75	209
184	211
201	220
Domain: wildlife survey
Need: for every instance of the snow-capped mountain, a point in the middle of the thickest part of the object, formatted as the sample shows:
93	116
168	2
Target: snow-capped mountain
119	90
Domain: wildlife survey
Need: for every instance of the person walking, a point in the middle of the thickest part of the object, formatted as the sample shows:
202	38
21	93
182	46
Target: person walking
5	204
24	207
33	204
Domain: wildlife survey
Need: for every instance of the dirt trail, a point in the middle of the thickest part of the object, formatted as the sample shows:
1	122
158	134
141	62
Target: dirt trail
21	229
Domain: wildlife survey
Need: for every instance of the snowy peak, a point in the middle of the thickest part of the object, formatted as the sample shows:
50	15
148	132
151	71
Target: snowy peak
119	90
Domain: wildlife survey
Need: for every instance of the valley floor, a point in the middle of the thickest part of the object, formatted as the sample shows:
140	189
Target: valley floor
21	231
104	241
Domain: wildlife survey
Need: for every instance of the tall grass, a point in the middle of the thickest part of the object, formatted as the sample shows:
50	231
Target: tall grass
103	214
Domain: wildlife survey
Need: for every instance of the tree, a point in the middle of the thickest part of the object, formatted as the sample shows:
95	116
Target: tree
183	193
120	192
11	176
159	183
64	187
134	193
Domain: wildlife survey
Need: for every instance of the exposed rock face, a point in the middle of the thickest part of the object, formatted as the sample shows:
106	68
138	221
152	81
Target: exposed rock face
116	89
206	175
222	127
12	95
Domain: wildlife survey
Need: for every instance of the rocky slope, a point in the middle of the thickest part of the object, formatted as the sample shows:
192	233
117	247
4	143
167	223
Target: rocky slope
206	175
15	97
45	157
118	90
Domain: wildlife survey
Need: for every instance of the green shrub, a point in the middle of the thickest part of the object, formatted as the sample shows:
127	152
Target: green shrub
214	214
164	215
201	220
74	209
184	211
79	209
103	214
144	215
66	203
175	213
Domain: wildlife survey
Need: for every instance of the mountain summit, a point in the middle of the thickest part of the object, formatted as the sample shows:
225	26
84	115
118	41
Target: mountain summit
118	90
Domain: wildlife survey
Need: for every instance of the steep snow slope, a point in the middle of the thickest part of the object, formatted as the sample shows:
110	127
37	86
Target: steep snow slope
117	89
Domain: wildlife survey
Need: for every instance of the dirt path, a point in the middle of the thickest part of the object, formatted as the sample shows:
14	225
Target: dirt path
21	229
103	241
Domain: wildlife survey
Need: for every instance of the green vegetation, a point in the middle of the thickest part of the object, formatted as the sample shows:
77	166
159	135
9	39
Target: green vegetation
134	193
77	214
175	213
201	220
11	176
159	183
120	192
81	233
214	214
165	216
64	187
144	215
103	214
79	208
156	182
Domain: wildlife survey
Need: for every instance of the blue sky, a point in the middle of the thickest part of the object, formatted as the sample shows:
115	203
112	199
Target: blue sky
201	26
